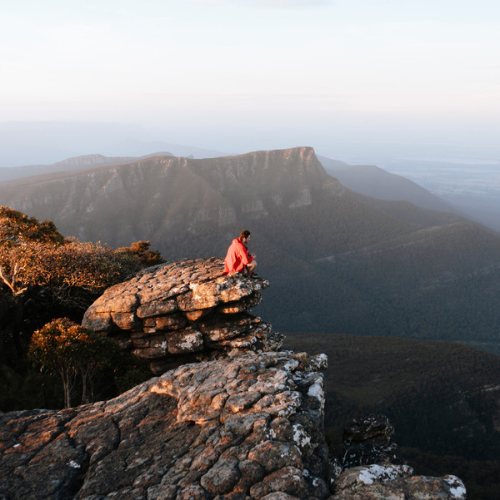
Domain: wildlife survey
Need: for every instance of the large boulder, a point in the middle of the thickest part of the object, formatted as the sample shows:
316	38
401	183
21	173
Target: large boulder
184	311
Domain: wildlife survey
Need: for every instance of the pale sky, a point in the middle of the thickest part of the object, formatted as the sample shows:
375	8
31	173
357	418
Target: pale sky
257	74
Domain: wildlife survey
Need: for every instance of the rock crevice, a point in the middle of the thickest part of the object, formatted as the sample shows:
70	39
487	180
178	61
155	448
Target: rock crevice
243	426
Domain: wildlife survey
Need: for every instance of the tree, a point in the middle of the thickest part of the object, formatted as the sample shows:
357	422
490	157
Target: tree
18	232
69	272
18	228
41	269
74	352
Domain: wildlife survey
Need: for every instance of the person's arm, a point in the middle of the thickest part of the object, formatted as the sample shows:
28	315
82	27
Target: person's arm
246	257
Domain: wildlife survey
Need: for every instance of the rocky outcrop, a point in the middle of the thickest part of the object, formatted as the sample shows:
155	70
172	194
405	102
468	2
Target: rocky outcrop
390	482
184	311
369	441
244	427
248	427
372	469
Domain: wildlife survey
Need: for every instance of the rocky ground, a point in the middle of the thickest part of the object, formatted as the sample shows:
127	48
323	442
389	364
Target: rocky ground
239	427
245	425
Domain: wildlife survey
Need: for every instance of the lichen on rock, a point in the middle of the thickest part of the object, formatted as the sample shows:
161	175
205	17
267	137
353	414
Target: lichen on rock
195	432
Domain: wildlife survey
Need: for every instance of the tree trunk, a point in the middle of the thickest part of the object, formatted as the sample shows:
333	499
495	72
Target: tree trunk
66	387
85	395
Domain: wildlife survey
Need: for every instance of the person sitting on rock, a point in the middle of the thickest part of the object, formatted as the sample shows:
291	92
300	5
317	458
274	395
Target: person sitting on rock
238	259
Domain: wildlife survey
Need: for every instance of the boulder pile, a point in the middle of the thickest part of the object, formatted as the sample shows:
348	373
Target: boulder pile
184	311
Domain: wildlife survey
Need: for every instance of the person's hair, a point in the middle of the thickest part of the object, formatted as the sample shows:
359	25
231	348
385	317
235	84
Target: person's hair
245	234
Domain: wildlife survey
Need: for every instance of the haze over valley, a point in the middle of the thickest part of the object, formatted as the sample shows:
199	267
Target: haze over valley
390	259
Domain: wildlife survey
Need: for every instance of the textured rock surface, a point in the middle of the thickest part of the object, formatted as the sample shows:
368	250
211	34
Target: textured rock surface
395	482
184	311
248	427
242	427
369	441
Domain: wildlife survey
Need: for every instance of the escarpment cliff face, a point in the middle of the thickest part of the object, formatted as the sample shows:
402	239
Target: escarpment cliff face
165	195
184	311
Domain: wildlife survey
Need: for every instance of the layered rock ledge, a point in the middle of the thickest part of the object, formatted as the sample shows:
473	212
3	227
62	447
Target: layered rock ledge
184	311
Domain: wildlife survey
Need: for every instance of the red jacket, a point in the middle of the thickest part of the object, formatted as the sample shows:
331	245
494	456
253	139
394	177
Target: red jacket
237	257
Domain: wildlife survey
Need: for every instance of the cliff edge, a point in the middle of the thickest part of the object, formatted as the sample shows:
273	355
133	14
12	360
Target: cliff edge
184	311
243	422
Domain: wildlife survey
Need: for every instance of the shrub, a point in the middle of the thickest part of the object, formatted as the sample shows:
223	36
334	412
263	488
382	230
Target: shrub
17	228
141	250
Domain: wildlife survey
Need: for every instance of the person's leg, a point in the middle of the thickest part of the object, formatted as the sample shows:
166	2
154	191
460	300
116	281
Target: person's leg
251	268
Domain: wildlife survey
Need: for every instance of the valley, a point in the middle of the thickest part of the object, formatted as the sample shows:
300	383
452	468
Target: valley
472	186
338	261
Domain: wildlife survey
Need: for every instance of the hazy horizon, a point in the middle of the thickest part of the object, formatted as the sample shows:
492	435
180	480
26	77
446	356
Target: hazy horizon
39	143
351	79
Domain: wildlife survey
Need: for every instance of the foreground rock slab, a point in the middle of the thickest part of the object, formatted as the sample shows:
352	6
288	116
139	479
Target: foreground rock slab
184	312
243	427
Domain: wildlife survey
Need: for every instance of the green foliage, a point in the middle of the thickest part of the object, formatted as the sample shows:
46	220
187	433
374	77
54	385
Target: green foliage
70	272
45	275
71	350
141	249
35	254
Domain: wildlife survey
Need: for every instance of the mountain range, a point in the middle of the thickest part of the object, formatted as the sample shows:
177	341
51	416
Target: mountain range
371	180
40	142
69	165
339	261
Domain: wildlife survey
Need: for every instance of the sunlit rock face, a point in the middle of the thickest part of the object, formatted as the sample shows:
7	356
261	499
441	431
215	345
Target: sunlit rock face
184	311
243	427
